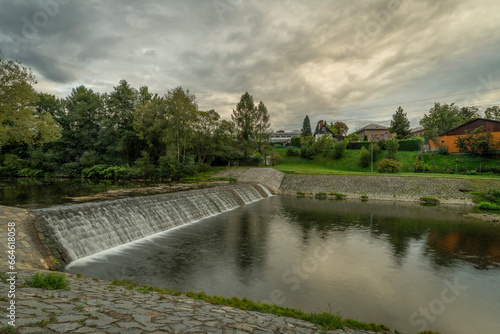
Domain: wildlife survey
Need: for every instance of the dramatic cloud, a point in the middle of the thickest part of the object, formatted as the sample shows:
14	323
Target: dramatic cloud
354	61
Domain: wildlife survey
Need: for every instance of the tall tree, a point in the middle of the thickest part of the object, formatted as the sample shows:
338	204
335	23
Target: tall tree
469	113
492	113
20	121
400	124
306	127
205	127
182	110
117	132
262	126
151	124
341	127
441	118
244	118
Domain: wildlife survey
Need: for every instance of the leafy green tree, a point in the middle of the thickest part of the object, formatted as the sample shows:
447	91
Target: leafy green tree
182	111
262	126
392	147
341	128
251	124
478	142
400	125
323	144
306	128
151	124
492	113
441	118
353	137
117	132
20	121
469	113
205	128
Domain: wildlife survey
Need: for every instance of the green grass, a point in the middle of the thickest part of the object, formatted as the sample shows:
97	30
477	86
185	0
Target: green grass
429	199
488	206
49	281
349	164
325	319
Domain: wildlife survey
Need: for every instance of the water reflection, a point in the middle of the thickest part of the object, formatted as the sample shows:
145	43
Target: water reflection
375	261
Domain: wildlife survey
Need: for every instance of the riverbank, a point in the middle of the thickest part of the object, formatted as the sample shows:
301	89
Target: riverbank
98	306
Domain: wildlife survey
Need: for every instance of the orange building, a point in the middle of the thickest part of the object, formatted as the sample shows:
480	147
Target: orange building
448	138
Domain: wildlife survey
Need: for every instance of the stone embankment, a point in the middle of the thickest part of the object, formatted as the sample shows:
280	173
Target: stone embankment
97	306
269	177
447	190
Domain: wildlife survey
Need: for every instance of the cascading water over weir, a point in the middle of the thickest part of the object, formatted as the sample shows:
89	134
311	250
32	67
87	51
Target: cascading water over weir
84	229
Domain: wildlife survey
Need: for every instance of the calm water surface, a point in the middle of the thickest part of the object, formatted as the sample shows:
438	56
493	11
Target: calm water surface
403	265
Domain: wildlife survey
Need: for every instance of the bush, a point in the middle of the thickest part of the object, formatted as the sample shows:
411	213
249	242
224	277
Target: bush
488	206
291	152
30	172
275	157
392	148
73	169
443	150
94	172
338	150
358	145
307	152
413	145
429	199
295	141
146	167
12	164
478	142
365	157
376	151
388	166
49	281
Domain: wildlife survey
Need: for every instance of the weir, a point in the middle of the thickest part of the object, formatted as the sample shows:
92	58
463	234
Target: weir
84	229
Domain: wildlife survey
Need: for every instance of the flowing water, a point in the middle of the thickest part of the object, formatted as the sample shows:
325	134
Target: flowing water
89	228
408	266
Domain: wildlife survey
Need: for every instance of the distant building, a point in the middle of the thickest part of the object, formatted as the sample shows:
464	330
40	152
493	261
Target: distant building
447	139
284	137
374	132
419	131
322	129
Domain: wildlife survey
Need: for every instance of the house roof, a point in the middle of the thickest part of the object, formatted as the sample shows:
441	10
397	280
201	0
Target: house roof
418	128
469	122
373	126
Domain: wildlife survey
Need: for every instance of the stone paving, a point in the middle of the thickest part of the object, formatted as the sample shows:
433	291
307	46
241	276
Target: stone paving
30	251
96	306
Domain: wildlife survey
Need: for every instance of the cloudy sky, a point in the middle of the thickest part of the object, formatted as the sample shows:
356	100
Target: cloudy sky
339	60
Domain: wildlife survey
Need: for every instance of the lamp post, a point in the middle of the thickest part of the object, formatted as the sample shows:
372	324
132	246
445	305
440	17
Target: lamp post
372	158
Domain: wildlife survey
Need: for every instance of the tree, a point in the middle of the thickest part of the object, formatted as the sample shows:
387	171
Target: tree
117	132
400	124
353	137
469	113
441	118
262	126
478	142
205	127
20	121
251	123
341	128
306	128
492	113
151	124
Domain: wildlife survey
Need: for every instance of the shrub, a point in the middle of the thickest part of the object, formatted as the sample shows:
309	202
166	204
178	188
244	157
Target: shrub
488	206
323	144
388	166
429	199
358	145
30	172
478	142
392	148
12	164
307	152
338	195
146	167
275	158
383	144
338	150
73	169
443	150
49	281
365	157
94	172
376	151
413	145
295	141
291	152
320	195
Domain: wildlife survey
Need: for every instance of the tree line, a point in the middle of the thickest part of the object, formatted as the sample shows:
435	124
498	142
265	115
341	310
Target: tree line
127	132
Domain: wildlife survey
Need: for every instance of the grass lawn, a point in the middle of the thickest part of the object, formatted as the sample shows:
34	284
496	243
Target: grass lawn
439	165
